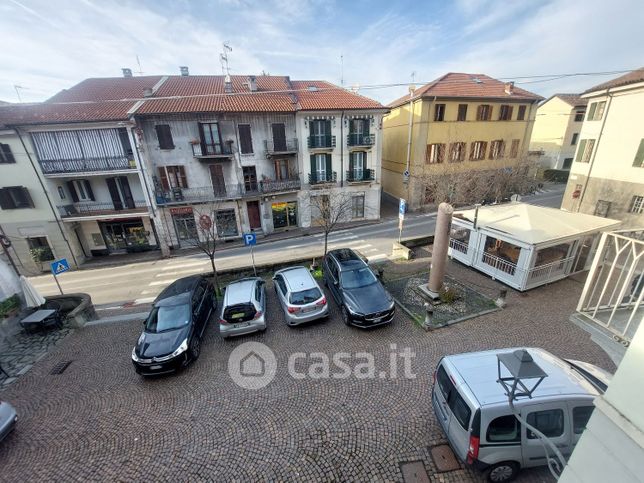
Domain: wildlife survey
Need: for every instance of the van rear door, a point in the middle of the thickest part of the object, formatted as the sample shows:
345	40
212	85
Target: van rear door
553	420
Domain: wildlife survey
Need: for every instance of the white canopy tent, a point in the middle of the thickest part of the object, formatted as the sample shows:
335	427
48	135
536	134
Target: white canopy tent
524	245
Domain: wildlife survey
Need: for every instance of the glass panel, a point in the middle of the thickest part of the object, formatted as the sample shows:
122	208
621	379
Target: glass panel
504	428
549	422
580	417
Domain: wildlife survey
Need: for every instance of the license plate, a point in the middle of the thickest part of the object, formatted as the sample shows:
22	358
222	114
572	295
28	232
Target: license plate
241	324
308	309
379	319
154	368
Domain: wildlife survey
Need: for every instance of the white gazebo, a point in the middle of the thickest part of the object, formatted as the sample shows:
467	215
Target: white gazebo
525	246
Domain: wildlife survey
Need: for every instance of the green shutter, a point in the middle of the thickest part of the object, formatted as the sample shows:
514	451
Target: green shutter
639	156
313	173
351	162
311	123
329	169
591	113
580	150
366	127
328	128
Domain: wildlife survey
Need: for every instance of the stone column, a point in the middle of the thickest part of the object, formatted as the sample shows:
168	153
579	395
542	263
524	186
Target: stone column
441	244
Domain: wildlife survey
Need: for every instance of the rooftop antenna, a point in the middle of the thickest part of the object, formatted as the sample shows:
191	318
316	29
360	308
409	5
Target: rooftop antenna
223	58
17	87
413	77
138	62
342	70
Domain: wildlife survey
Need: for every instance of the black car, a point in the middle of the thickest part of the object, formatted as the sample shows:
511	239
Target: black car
172	332
363	300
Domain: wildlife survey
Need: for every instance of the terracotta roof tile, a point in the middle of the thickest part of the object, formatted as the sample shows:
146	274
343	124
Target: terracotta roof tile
626	79
572	99
478	86
321	95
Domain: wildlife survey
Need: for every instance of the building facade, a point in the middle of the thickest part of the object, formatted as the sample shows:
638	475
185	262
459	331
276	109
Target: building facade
556	130
460	122
607	175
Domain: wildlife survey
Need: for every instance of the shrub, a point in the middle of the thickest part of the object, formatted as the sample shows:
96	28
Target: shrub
448	295
41	254
556	175
9	304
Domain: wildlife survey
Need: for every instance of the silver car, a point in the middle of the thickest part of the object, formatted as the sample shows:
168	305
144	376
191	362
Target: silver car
8	419
244	308
300	295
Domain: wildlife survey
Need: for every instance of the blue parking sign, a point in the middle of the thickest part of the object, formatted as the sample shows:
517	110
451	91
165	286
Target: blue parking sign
250	239
402	207
59	266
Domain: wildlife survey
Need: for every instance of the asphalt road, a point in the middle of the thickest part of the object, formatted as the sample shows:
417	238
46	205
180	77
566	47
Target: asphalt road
139	283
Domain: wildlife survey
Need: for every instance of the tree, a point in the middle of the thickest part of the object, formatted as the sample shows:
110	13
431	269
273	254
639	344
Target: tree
329	210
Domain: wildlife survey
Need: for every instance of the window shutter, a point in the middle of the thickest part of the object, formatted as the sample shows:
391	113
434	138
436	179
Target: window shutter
164	136
510	109
351	161
329	169
72	191
313	170
581	149
639	156
327	128
183	181
591	112
88	189
6	156
245	139
365	127
164	178
23	196
6	202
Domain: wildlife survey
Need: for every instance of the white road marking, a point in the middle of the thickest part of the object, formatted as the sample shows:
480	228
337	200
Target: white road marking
146	292
180	272
184	265
360	247
371	250
379	256
145	300
333	240
161	282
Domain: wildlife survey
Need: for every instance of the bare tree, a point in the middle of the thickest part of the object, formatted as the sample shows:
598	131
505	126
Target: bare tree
328	210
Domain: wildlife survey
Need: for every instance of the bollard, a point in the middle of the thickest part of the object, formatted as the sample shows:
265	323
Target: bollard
500	301
429	312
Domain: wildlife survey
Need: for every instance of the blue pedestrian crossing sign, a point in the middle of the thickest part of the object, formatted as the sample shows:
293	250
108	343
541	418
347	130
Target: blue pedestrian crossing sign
59	266
250	239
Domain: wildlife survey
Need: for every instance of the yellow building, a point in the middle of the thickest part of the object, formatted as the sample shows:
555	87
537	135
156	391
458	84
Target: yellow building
458	122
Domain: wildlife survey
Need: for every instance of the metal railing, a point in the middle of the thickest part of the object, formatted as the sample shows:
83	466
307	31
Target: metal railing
547	271
499	263
458	245
273	186
112	163
200	194
325	178
357	176
358	139
212	150
97	208
321	141
281	146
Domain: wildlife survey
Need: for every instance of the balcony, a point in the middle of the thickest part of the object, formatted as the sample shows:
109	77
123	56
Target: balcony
270	186
280	147
364	176
362	140
204	150
321	142
87	165
323	178
201	194
100	209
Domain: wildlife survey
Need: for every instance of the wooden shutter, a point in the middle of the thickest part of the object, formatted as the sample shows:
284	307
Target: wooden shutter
181	175
365	126
127	192
23	196
114	193
521	114
6	202
88	189
313	170
164	136
72	191
6	156
329	168
581	149
163	175
591	113
279	137
509	116
639	156
479	113
327	128
352	162
245	139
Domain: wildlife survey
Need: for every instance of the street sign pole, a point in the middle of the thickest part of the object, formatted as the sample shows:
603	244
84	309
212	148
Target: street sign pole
59	287
252	255
402	207
250	240
58	267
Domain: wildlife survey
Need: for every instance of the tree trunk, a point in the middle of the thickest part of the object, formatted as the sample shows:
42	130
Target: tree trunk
326	241
215	279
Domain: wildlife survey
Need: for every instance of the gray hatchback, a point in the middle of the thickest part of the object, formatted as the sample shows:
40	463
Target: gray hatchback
300	296
244	308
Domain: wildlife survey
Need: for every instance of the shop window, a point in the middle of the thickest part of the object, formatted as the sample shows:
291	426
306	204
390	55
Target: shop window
552	254
501	255
284	214
357	206
226	223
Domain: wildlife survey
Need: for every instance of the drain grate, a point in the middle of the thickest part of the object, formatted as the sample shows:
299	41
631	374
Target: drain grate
60	367
414	472
444	458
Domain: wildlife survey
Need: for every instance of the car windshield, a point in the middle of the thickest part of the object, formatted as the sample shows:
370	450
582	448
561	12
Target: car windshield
360	277
305	296
168	318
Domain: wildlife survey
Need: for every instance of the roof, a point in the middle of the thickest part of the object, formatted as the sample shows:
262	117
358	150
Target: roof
477	86
347	258
572	99
624	80
535	224
322	95
480	372
240	291
179	291
297	278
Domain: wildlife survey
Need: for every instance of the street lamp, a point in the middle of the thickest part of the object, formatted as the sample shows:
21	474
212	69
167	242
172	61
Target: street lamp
525	376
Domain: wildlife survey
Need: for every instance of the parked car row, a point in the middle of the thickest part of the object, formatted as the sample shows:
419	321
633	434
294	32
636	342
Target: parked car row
173	331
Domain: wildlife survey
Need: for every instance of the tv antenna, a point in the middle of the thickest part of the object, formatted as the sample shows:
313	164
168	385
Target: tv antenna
342	70
413	77
138	62
17	89
223	58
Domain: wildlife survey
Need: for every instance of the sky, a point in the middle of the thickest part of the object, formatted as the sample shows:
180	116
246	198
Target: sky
49	45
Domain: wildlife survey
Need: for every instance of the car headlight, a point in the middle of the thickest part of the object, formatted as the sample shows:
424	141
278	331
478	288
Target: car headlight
135	358
181	349
352	311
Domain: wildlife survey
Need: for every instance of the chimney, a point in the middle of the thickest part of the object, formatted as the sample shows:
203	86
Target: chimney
184	70
252	83
127	72
228	85
147	92
509	88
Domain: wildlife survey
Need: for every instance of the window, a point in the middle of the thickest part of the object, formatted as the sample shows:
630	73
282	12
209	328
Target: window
439	112
462	112
281	169
455	401
596	111
585	150
505	113
549	422
210	138
435	153
484	112
357	206
456	152
245	139
226	223
6	156
357	165
61	192
250	178
173	177
573	141
567	163
638	162
320	134
579	115
14	197
320	167
514	148
497	149
637	205
164	136
477	151
504	429
602	208
40	245
521	113
580	417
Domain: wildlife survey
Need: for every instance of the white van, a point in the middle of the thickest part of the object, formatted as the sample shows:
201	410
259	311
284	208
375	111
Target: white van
473	410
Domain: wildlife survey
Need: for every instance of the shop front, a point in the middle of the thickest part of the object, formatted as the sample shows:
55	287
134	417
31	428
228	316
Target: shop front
284	215
185	226
126	236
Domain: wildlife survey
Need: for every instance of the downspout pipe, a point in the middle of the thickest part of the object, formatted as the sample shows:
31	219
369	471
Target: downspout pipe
44	189
342	149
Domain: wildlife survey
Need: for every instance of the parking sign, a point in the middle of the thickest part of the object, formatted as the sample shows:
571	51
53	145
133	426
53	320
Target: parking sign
402	207
250	239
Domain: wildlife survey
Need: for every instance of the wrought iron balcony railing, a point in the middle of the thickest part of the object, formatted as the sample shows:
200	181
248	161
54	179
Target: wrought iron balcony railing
357	139
281	146
323	178
205	150
321	141
360	176
96	208
200	194
82	165
274	186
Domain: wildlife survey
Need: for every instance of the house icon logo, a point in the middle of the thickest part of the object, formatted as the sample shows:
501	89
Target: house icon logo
252	365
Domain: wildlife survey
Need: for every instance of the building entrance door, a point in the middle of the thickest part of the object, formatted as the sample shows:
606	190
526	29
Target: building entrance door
254	218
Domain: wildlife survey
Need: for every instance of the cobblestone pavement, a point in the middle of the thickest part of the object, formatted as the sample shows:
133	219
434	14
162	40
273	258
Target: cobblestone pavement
100	421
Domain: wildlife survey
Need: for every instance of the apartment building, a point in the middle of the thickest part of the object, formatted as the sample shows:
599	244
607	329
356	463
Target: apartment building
459	122
556	130
607	175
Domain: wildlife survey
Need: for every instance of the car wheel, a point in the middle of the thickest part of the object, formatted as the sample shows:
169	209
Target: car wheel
195	348
505	471
345	316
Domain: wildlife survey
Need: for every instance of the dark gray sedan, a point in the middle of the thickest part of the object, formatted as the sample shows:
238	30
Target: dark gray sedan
8	418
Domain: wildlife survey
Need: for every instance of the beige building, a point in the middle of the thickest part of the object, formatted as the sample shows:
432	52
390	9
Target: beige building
458	122
607	175
556	130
